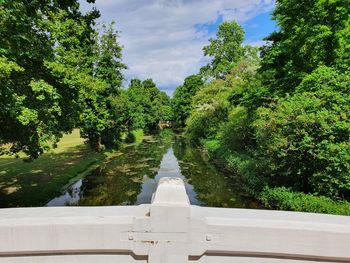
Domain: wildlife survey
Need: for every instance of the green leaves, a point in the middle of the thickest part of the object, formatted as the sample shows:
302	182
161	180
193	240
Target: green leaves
183	95
149	105
291	119
45	60
307	135
285	199
225	50
310	34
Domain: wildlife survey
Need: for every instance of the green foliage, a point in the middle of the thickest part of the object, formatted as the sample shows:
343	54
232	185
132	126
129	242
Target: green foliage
211	145
148	105
288	124
225	50
217	105
235	133
100	122
210	107
39	42
134	136
237	163
109	65
311	33
182	100
283	199
304	140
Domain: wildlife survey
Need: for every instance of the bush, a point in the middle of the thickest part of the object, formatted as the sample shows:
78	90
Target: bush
235	134
304	141
210	109
246	167
134	136
212	146
283	199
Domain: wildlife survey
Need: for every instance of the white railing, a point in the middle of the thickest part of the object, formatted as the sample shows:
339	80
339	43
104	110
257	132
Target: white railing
170	230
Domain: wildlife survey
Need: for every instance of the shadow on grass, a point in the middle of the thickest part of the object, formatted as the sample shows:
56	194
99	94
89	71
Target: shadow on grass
34	183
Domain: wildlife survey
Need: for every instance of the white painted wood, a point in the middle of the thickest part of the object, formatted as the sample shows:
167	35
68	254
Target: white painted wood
170	230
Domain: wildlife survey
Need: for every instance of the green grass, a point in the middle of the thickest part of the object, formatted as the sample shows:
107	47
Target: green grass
34	183
284	199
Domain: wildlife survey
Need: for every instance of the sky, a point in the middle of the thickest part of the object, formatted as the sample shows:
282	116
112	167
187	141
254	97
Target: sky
163	39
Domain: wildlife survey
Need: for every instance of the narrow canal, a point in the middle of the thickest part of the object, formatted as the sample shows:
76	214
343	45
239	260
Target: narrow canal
132	177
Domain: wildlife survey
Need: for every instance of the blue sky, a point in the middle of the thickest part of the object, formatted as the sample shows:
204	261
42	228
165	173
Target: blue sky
258	28
163	39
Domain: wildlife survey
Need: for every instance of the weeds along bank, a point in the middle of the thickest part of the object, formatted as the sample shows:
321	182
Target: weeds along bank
279	117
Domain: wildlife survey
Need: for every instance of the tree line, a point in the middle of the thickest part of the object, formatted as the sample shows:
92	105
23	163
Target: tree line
278	116
60	71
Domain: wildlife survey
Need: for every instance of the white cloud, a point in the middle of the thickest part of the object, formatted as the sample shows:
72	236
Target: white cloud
159	36
258	43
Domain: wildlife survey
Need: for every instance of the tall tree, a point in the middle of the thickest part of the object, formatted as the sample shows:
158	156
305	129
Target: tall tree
225	50
311	33
39	40
98	122
109	65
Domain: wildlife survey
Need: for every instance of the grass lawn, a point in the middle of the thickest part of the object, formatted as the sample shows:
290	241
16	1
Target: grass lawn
36	182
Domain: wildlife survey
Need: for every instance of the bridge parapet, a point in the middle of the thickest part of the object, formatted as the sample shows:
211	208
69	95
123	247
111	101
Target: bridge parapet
170	230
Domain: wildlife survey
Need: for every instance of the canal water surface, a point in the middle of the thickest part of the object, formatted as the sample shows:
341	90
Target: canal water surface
131	178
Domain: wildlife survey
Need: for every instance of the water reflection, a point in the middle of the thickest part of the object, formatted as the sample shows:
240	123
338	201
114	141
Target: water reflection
132	177
169	167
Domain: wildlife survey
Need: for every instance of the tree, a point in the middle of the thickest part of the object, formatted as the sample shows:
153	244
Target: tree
98	120
210	105
311	33
139	103
40	41
225	50
182	101
304	140
109	64
150	105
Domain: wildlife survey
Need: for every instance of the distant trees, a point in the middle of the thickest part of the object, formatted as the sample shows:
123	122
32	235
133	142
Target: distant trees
225	50
182	100
149	104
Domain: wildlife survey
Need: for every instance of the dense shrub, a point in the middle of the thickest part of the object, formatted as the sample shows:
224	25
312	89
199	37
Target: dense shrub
212	146
235	133
210	109
283	199
304	140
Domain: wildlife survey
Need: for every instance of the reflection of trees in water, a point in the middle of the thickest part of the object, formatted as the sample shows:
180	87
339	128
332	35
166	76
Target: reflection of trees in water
120	180
211	186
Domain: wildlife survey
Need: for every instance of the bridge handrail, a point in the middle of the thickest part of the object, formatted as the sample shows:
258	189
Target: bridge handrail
170	230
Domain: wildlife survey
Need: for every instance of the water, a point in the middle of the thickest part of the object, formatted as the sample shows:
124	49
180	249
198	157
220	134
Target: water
131	178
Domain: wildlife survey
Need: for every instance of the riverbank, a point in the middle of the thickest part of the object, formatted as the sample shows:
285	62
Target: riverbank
278	198
132	177
34	183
